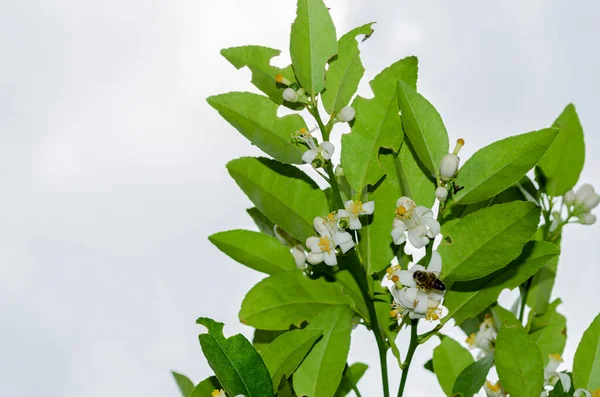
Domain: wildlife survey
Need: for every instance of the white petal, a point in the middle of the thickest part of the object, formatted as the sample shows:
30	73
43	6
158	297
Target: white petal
421	212
341	238
583	192
342	214
345	247
319	224
417	267
435	264
313	243
422	302
565	380
406	278
580	392
355	224
309	156
406	297
414	315
543	394
330	258
553	364
398	223
328	149
406	202
432	224
299	256
398	235
369	207
569	197
417	238
591	201
449	166
348	204
436	295
314	258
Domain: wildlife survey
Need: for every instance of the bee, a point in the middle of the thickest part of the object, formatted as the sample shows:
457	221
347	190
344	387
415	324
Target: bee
428	281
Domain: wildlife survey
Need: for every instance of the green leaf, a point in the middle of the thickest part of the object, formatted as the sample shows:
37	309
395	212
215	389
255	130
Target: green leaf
255	117
449	360
541	287
262	222
472	378
344	71
255	250
263	338
286	390
504	317
350	287
519	362
586	364
429	366
321	371
289	298
423	126
283	356
486	240
286	195
468	299
563	162
236	364
549	331
312	43
415	180
183	383
206	387
258	60
500	165
352	375
377	125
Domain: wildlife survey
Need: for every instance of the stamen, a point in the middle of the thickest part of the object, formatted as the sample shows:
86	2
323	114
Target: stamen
471	339
495	387
459	144
325	244
556	357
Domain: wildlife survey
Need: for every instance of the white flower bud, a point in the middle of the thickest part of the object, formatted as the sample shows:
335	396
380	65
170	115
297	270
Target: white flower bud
569	198
339	171
290	95
591	201
441	193
346	114
299	256
449	166
587	219
583	193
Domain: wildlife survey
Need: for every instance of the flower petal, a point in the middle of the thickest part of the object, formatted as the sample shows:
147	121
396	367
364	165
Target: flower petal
565	380
345	247
314	258
417	237
313	243
422	302
328	149
432	224
398	235
343	214
319	224
406	297
422	212
330	258
580	392
309	156
355	224
299	256
435	264
398	223
368	207
406	278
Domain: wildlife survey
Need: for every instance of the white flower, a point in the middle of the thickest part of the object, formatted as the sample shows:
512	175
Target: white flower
417	222
587	197
218	393
441	193
299	256
587	219
586	393
323	248
493	389
449	163
318	155
485	338
569	198
354	208
551	376
346	114
290	95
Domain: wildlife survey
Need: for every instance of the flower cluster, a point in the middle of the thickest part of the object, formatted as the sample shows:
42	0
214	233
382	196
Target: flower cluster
485	338
581	204
315	155
330	236
551	376
416	222
417	292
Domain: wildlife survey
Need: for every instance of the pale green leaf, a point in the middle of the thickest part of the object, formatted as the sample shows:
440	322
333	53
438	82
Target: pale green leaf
258	60
501	164
263	338
519	362
415	181
377	125
321	371
312	43
350	287
469	298
344	71
449	360
206	387
283	356
504	317
289	298
423	126
286	195
352	375
549	331
486	240
563	162
183	383
234	361
541	287
472	378
262	222
255	117
586	364
255	250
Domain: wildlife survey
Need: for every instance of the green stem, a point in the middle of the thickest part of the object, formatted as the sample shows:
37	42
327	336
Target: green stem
414	342
524	296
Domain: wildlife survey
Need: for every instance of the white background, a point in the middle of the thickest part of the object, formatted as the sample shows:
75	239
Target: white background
112	167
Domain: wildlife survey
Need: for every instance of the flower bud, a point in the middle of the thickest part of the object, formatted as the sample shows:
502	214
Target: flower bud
343	223
290	95
583	193
441	193
346	114
591	201
569	198
339	171
299	256
587	219
449	166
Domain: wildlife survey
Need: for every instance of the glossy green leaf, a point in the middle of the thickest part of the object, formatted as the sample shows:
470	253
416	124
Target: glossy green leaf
286	195
586	364
262	222
549	331
495	167
263	338
286	389
321	371
423	126
344	71
312	43
289	298
486	240
183	383
563	162
449	360
255	117
377	125
255	250
504	317
234	361
469	298
350	287
541	287
283	356
352	375
472	378
258	60
206	387
519	362
416	181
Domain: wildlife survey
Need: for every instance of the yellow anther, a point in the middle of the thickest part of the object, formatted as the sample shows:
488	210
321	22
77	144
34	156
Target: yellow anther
556	357
495	387
596	393
394	313
471	339
331	216
325	244
488	320
389	270
401	211
433	314
356	208
395	278
218	393
279	78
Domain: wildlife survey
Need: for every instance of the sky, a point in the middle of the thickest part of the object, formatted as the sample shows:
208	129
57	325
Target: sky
112	167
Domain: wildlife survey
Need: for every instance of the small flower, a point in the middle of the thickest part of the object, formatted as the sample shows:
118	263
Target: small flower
485	338
441	193
323	248
346	114
584	392
587	197
581	203
218	393
354	208
493	389
315	155
551	376
416	222
449	163
569	198
587	219
414	303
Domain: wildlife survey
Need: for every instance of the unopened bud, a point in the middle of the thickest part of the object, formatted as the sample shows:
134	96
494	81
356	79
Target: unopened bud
339	171
587	219
441	193
591	201
282	80
299	257
449	166
290	95
569	198
583	193
346	114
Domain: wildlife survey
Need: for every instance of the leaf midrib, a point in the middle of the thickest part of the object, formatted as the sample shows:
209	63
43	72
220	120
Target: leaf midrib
237	372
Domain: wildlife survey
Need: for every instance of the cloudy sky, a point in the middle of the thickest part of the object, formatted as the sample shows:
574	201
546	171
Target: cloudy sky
112	167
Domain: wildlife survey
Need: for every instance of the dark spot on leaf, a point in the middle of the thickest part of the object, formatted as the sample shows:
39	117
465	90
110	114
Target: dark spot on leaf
448	239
